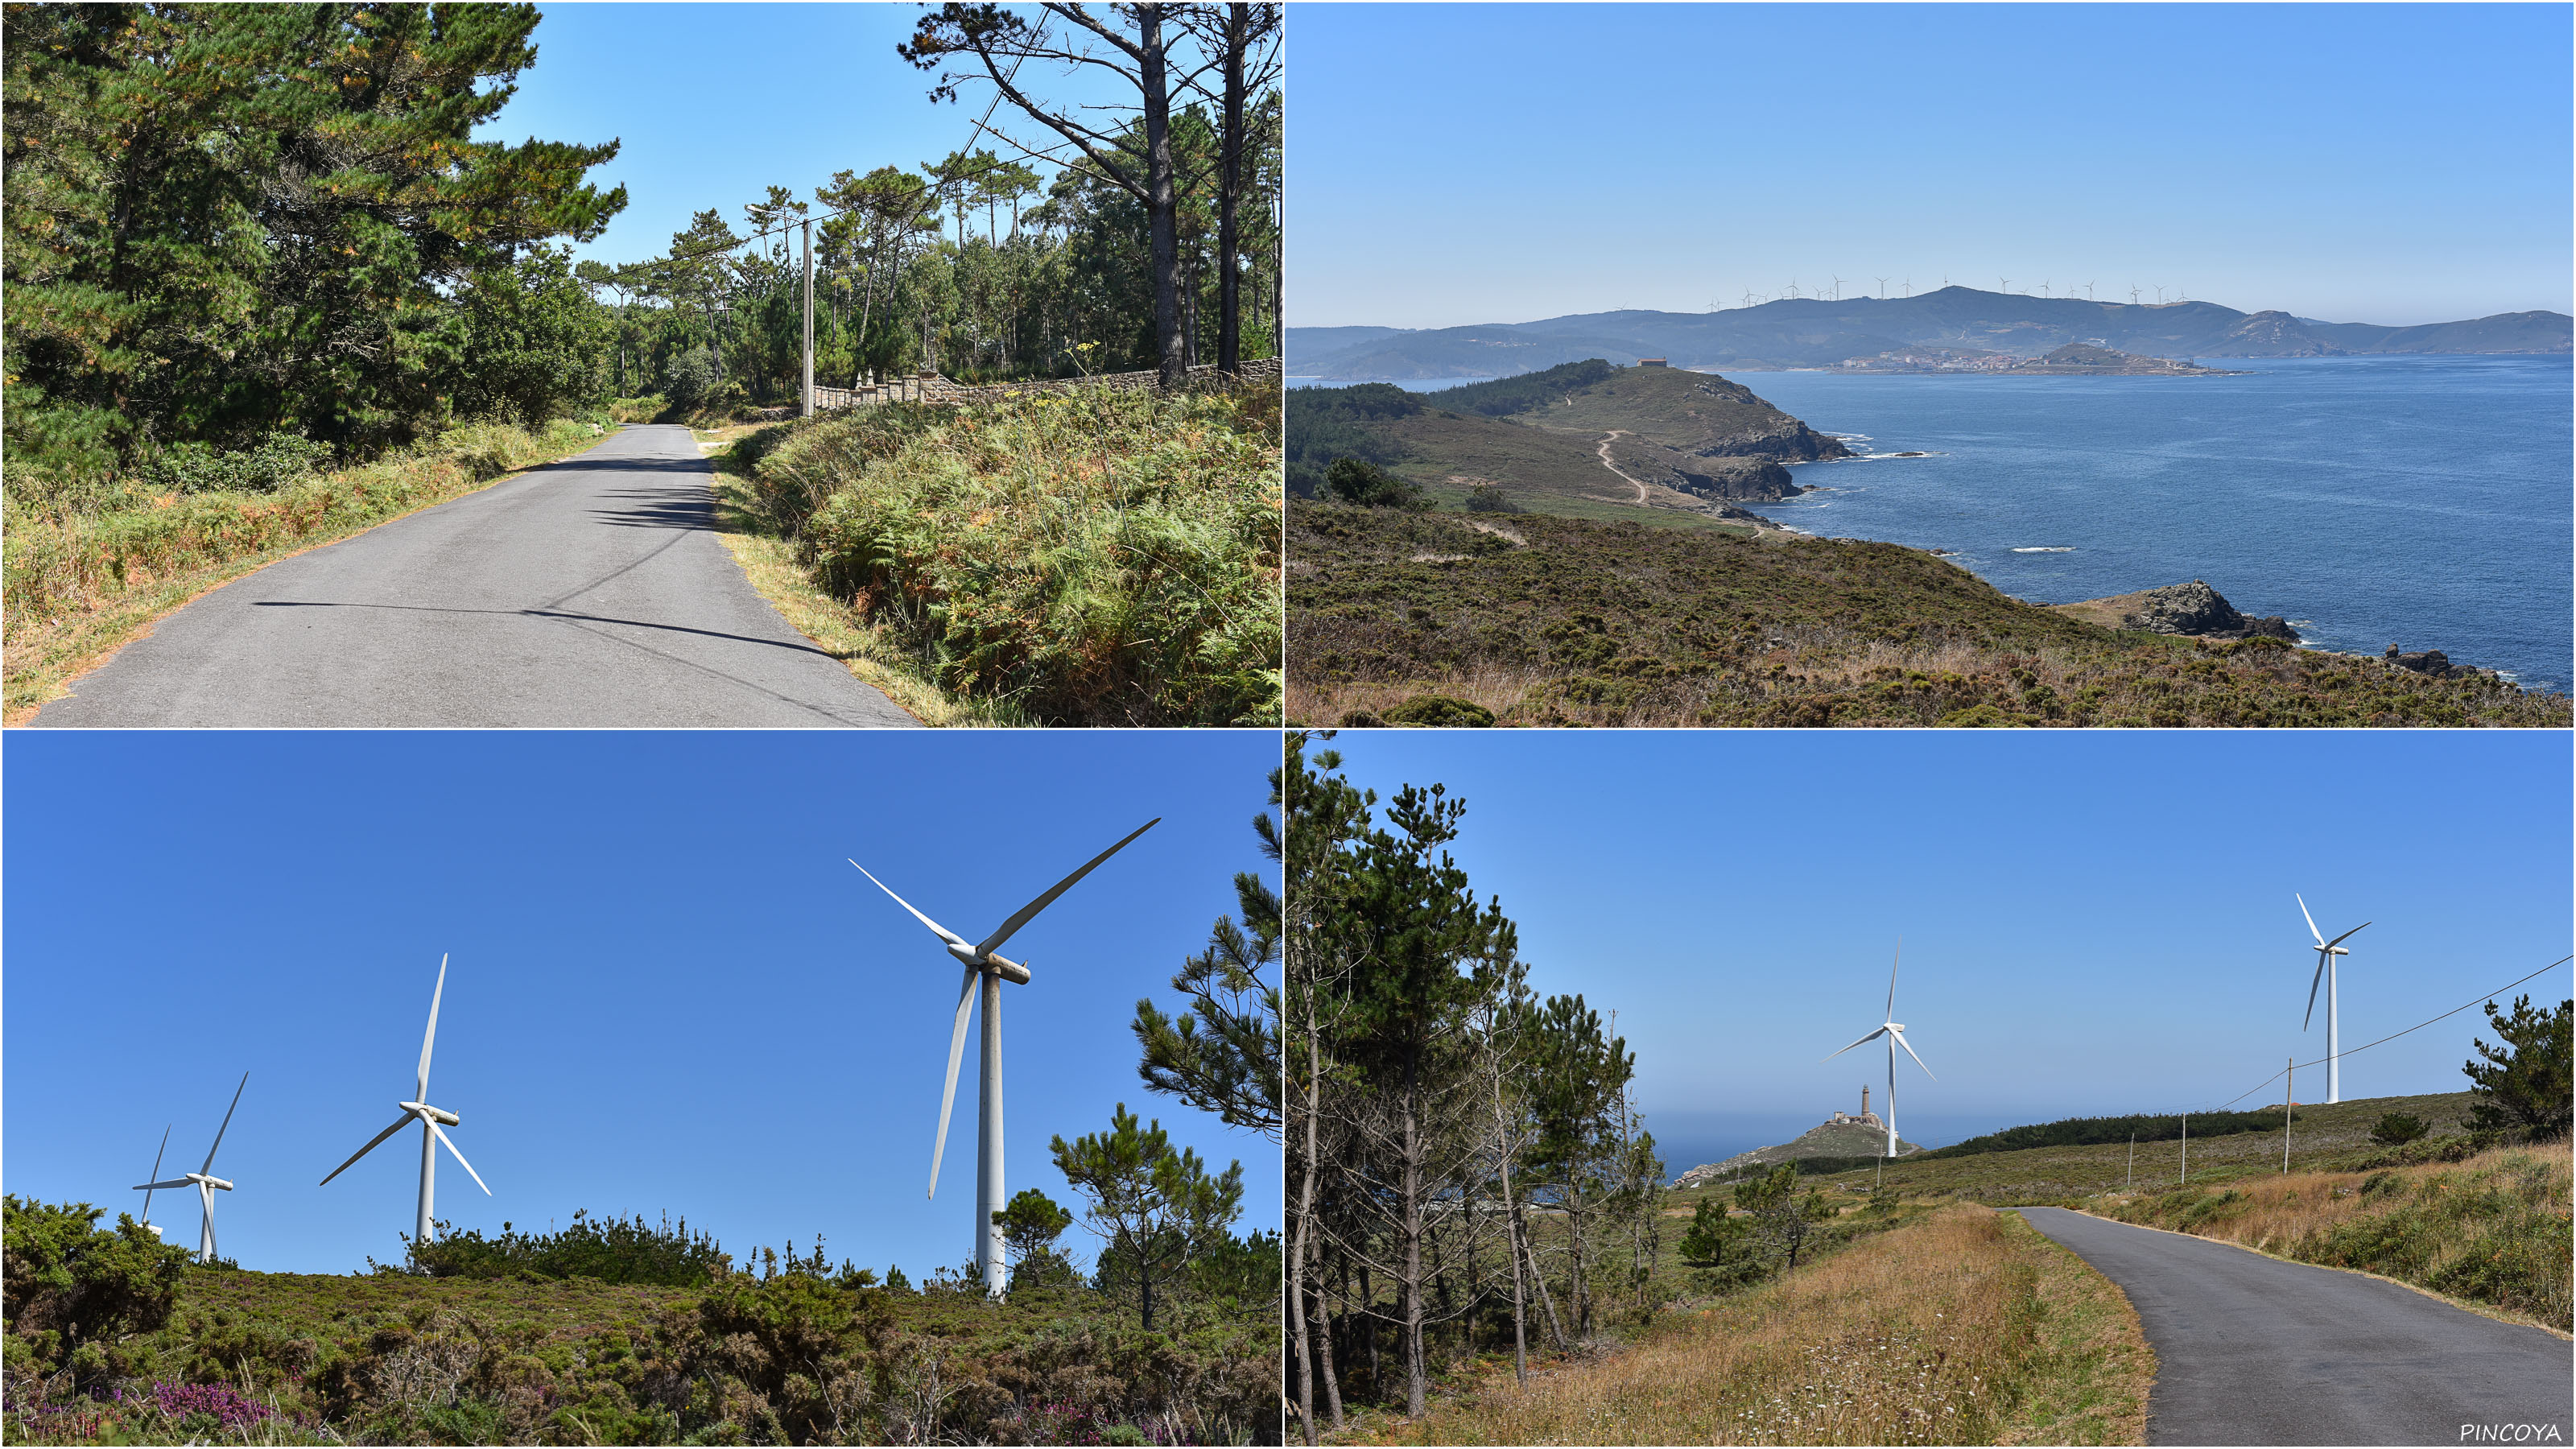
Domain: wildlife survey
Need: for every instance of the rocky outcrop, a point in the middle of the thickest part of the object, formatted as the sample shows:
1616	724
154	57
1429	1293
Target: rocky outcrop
1737	480
2199	610
2432	662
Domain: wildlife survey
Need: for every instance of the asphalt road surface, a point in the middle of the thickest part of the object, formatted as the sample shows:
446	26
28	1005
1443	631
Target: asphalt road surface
2253	1350
590	592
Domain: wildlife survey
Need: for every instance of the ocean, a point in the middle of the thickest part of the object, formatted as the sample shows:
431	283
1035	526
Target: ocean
2428	502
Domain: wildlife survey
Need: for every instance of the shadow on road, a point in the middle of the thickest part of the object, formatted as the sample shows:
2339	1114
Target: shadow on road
562	615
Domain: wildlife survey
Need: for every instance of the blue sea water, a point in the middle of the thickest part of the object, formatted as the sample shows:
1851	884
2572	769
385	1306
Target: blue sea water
2428	502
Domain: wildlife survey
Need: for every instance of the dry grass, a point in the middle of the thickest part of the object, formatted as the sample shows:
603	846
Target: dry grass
1960	1329
2492	1231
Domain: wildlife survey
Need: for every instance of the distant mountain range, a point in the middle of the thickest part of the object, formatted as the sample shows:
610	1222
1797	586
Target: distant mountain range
1809	332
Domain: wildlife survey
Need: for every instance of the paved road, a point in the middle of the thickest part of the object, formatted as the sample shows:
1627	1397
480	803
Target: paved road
589	592
2253	1350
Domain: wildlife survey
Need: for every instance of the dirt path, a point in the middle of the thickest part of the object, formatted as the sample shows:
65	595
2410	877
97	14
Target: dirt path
1604	450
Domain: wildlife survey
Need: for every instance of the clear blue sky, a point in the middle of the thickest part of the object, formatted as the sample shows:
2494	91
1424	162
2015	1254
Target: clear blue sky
716	103
2094	922
1455	164
667	989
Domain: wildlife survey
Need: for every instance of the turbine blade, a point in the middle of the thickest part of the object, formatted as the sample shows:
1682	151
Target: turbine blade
420	1093
1891	978
159	1186
1864	1041
2313	983
994	942
399	1124
1918	1061
936	929
228	1123
156	1171
460	1158
2312	921
2346	936
948	1095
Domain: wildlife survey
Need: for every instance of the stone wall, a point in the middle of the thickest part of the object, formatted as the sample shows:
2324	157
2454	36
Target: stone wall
932	388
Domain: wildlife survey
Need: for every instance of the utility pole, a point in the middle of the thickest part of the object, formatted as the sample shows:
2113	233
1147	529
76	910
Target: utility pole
2186	1148
2290	1095
2133	1160
809	321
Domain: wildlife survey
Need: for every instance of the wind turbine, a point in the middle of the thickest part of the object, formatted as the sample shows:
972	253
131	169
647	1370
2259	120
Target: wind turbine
1748	298
418	1109
2006	284
2327	951
1838	287
1909	286
203	1180
1894	1031
2088	291
2133	295
980	962
1882	289
2043	288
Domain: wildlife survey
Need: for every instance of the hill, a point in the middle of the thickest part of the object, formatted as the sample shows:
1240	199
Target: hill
1837	1142
1545	621
1812	332
1582	440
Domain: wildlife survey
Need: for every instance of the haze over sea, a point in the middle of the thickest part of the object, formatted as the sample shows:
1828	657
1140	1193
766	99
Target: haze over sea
2419	501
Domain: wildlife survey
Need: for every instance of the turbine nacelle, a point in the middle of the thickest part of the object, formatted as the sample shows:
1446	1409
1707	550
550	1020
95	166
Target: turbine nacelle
202	1180
1008	970
434	1114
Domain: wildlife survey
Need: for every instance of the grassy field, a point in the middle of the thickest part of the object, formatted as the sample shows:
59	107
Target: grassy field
297	1358
1102	558
2491	1230
1565	622
83	580
1962	1327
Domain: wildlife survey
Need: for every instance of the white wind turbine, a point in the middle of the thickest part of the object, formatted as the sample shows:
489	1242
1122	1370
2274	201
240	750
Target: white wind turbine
980	962
203	1180
418	1109
1894	1031
2327	951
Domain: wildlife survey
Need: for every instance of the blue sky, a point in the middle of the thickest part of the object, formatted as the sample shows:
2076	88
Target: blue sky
716	103
667	989
2093	922
1455	164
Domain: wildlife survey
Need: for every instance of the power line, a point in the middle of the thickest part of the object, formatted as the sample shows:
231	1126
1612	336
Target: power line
2419	1026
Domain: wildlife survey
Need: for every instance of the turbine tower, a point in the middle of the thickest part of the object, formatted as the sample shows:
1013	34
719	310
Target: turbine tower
419	1110
2327	951
1894	1031
980	962
203	1180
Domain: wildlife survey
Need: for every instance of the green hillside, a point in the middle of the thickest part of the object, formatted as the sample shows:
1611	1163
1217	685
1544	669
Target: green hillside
1546	620
2320	1137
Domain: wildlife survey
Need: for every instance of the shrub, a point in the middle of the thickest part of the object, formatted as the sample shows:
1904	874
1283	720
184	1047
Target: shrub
1354	481
1439	711
689	380
610	1250
1102	558
2397	1129
70	1283
1489	498
277	462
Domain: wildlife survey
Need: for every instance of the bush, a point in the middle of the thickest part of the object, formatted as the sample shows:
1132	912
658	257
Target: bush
1102	558
1489	498
279	461
2397	1129
1354	481
70	1284
609	1250
1439	711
